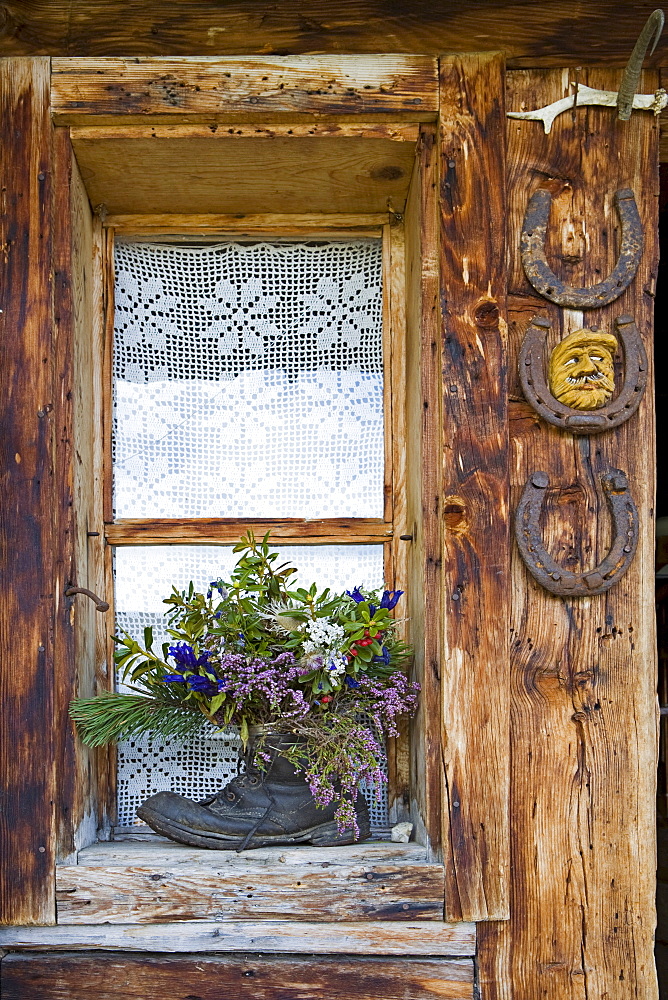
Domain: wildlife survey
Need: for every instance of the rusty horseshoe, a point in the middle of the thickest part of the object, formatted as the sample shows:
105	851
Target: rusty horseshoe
616	412
543	279
543	567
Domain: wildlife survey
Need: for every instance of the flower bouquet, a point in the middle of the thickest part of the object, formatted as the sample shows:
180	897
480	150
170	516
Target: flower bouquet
313	681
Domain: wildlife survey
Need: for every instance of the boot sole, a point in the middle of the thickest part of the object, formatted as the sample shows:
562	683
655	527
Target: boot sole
323	835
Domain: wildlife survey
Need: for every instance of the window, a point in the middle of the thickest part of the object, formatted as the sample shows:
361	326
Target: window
252	386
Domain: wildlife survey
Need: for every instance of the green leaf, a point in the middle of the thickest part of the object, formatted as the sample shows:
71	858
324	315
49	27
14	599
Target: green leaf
215	703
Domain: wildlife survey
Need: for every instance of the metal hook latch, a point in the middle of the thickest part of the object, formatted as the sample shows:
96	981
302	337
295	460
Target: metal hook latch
614	413
543	279
544	568
99	603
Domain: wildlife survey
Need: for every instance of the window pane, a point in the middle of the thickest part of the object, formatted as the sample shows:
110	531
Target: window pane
248	380
144	577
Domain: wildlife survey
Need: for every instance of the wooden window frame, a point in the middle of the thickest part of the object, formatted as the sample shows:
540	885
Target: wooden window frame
84	101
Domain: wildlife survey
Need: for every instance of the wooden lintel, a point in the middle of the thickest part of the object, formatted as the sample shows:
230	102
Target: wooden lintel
224	531
298	130
239	88
278	225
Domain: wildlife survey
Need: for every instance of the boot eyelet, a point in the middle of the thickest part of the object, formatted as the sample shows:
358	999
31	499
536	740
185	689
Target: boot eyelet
230	796
253	781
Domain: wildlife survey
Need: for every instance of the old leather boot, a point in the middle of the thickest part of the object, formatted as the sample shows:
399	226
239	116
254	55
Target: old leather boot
256	809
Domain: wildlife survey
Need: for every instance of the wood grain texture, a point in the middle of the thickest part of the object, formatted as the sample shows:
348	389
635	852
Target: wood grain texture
393	87
396	574
308	130
583	676
294	226
208	891
423	486
31	509
476	565
529	34
132	882
248	977
245	175
371	937
221	531
80	552
171	855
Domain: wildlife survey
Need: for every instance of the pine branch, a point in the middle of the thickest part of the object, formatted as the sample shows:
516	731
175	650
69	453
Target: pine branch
111	717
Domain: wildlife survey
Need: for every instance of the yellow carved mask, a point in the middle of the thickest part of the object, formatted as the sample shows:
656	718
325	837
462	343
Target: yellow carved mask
582	373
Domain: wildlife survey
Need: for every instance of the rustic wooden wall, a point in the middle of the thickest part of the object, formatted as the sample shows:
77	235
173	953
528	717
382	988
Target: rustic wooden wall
583	684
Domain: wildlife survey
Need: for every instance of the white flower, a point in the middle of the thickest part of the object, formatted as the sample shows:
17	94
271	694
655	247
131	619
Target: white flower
324	632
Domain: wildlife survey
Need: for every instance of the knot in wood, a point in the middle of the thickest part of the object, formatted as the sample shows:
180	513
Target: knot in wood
455	515
487	314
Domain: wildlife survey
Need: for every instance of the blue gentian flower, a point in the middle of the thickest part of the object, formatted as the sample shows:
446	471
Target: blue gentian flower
204	684
351	682
356	595
384	657
390	598
174	678
184	654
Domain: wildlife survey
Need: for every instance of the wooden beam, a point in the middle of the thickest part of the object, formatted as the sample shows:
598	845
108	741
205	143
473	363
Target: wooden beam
248	977
207	89
529	34
340	130
371	937
32	584
583	679
226	531
474	504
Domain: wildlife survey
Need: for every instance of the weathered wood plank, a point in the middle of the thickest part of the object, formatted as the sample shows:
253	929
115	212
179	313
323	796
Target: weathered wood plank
248	977
601	33
424	484
247	890
372	937
164	531
476	567
166	853
583	678
250	175
31	509
399	87
148	226
77	414
297	130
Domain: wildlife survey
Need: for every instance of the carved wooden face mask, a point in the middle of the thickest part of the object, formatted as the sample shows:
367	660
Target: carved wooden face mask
582	373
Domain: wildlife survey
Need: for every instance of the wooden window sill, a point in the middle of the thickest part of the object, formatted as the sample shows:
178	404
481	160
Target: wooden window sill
130	882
